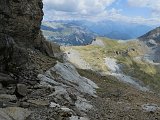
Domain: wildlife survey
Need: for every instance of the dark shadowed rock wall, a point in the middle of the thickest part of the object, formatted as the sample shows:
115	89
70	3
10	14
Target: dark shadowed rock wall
20	36
21	19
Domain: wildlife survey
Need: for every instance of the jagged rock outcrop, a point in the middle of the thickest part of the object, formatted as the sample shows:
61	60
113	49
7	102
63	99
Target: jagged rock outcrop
21	20
23	54
70	88
153	34
20	35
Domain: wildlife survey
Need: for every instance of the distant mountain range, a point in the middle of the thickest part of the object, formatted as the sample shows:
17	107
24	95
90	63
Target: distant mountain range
65	33
117	30
83	32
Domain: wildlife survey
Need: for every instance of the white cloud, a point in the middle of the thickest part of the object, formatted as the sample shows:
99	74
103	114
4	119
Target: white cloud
75	9
115	15
145	3
78	6
97	10
154	5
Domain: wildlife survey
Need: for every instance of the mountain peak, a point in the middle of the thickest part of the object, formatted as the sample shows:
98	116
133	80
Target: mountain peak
153	34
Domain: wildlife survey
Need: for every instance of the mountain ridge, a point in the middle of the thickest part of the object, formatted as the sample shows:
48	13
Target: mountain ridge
153	34
83	32
67	33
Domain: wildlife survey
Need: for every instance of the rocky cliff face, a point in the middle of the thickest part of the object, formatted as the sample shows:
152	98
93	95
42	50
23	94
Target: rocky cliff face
20	34
21	19
19	29
23	54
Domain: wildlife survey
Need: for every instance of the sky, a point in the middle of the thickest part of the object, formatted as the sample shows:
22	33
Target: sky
145	12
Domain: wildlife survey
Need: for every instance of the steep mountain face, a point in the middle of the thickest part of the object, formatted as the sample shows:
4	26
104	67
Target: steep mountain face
152	40
64	33
20	32
26	91
21	20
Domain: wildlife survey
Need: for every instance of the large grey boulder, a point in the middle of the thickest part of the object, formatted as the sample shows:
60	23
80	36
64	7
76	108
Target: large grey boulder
21	90
70	75
6	97
14	113
70	87
4	116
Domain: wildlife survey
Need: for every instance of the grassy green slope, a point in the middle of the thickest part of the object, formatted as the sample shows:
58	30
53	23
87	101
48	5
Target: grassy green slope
126	54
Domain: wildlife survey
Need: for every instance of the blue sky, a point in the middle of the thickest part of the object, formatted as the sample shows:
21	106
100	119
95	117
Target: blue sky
130	11
133	11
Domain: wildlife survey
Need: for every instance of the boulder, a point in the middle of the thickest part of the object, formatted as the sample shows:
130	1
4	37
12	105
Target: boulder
54	105
39	102
6	79
21	90
14	113
150	107
9	98
4	116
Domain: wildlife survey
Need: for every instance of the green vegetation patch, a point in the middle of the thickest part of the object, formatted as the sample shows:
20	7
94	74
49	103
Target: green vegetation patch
125	53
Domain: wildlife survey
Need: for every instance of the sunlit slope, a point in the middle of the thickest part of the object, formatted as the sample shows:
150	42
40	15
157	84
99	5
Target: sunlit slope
94	54
128	54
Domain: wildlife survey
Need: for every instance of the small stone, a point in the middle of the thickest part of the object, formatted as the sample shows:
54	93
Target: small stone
21	90
9	98
66	114
15	113
24	104
1	104
65	109
4	116
78	118
53	105
39	102
150	107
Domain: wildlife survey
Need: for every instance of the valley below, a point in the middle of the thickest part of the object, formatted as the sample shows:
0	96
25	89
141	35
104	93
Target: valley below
63	71
127	80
